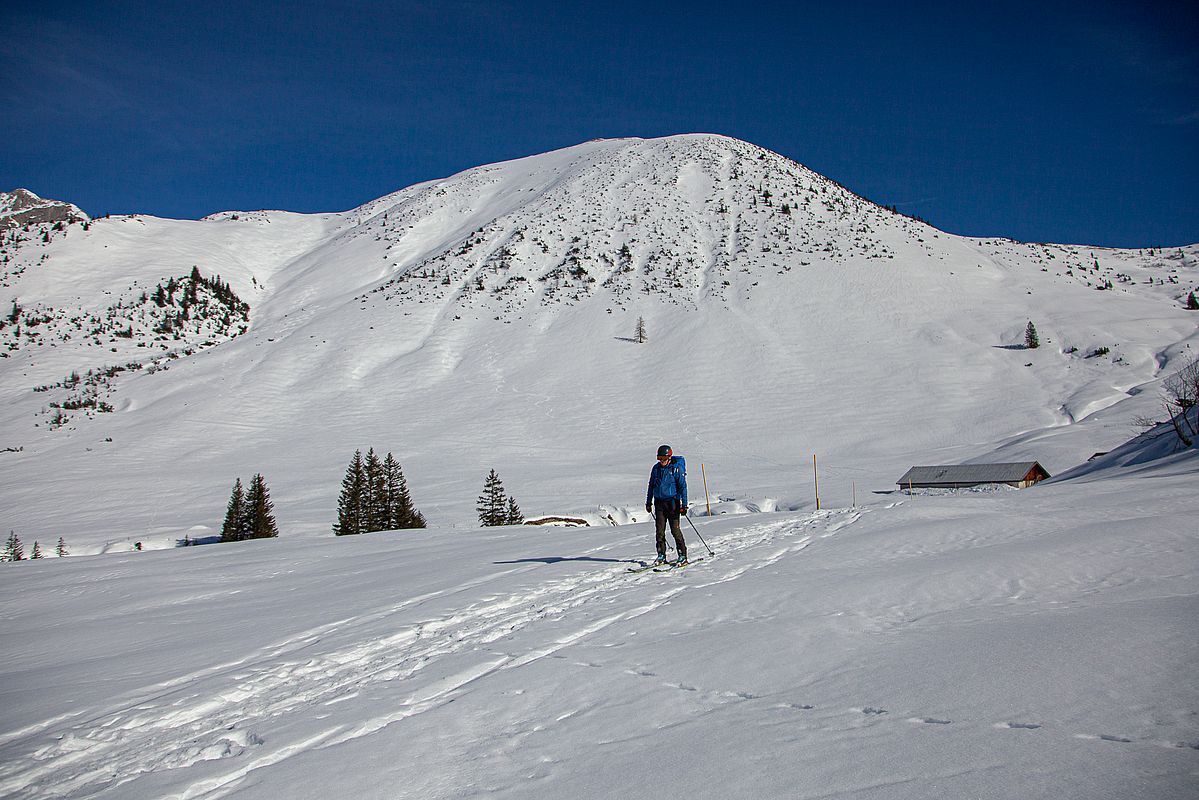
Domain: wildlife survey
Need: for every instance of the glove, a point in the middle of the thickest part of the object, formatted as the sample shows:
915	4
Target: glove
649	509
683	510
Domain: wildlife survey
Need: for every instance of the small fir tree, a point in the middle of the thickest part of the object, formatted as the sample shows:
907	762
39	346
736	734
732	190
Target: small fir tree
61	550
400	512
37	550
13	549
1192	302
1031	340
351	502
376	500
233	529
492	504
513	515
261	510
639	333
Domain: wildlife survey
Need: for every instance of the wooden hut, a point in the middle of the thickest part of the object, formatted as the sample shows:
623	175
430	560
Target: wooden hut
1021	474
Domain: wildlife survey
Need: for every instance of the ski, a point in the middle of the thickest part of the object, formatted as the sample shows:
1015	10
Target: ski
670	566
646	567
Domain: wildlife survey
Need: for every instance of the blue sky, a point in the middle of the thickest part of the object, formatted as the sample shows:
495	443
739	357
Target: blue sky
1066	122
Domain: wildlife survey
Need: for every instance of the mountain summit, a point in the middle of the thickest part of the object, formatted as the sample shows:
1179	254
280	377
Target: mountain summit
22	207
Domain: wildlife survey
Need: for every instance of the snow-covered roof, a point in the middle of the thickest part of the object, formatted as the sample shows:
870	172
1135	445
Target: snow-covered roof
969	473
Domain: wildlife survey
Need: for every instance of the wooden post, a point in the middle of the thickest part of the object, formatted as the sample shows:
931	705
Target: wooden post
816	480
707	499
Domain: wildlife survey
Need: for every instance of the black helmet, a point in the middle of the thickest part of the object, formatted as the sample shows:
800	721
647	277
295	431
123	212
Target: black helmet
664	451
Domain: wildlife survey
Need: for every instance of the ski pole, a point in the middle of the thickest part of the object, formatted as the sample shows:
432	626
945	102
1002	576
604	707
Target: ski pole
701	538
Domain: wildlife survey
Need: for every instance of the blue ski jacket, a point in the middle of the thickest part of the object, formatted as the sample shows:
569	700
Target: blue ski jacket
668	482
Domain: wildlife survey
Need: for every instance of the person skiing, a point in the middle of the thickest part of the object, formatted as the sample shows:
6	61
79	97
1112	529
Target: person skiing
666	499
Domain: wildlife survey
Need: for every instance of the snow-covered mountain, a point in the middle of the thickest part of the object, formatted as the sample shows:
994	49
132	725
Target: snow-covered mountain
21	207
991	644
484	321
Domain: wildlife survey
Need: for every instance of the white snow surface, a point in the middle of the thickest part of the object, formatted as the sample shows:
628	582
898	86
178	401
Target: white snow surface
1037	643
992	644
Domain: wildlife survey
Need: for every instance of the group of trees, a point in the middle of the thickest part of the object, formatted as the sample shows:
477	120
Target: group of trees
375	497
14	549
494	506
250	514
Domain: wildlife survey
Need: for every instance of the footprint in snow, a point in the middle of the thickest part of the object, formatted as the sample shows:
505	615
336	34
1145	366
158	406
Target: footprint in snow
870	711
1021	726
1105	737
930	721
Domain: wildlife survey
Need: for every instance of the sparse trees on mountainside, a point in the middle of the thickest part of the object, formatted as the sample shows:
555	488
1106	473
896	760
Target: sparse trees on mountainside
375	497
250	513
1031	340
494	506
13	549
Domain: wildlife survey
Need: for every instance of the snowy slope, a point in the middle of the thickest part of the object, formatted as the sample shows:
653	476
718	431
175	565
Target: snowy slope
1021	644
484	321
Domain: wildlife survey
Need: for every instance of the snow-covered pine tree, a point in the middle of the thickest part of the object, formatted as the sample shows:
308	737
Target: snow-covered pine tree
1031	340
61	550
13	549
400	513
350	503
639	334
512	514
235	514
37	550
376	500
262	510
492	504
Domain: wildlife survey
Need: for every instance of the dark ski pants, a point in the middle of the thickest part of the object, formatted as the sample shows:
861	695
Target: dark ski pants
667	510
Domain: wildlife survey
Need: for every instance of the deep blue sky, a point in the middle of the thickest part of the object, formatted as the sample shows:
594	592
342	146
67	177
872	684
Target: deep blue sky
1066	122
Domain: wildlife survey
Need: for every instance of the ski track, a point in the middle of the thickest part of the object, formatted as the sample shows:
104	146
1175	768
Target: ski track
221	712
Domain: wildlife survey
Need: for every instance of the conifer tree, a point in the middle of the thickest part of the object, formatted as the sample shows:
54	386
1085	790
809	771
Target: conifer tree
1192	302
400	513
512	514
1031	340
61	550
376	501
639	333
261	510
492	504
350	503
37	550
13	549
233	530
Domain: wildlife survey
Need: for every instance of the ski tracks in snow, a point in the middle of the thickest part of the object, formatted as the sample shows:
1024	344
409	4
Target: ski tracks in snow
260	709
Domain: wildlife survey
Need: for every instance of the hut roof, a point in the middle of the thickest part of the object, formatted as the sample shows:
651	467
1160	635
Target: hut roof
970	473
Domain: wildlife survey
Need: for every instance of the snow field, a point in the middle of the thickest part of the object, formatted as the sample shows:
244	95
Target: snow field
1034	643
